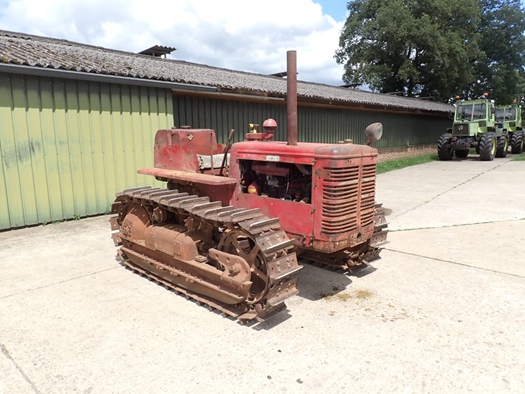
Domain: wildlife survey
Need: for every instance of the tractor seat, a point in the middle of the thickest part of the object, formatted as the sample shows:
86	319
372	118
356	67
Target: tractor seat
205	161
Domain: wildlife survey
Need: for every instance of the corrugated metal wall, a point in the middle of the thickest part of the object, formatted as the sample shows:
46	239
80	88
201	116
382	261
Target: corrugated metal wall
67	146
316	124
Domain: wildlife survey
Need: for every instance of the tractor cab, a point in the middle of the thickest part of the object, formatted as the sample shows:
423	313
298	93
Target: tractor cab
473	117
509	118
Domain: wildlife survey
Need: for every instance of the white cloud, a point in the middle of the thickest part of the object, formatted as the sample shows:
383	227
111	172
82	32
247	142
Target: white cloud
243	35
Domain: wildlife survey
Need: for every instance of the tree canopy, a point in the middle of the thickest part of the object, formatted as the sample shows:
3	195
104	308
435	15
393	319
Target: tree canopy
435	48
500	68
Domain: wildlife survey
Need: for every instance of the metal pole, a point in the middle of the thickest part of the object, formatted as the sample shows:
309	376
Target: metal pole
291	96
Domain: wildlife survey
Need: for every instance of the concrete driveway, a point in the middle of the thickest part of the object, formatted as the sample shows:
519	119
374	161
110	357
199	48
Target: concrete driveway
442	311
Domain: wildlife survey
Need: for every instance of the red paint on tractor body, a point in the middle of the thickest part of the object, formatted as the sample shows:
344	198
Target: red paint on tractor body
340	210
323	194
179	148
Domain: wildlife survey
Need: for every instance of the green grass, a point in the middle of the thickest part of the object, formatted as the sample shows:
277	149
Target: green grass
397	164
519	157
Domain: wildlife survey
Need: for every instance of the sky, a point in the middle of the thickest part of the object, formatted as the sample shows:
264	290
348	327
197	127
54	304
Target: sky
243	35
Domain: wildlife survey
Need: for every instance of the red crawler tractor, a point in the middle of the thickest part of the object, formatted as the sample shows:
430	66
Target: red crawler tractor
229	226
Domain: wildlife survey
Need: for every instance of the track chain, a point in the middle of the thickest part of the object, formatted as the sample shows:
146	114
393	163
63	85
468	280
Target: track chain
379	236
282	267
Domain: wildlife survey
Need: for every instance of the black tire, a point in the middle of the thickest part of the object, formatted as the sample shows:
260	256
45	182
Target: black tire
487	147
461	154
444	147
516	142
503	146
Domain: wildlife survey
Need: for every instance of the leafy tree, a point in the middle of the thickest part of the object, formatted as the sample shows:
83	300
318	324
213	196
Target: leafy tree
417	47
436	48
500	68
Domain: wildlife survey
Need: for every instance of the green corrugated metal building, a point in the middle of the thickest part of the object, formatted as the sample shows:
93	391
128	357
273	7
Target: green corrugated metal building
315	123
77	121
67	146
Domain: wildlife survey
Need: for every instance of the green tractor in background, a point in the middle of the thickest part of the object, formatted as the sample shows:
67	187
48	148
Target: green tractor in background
474	127
509	117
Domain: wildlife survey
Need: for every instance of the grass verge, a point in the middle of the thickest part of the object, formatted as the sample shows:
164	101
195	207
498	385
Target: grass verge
397	164
519	157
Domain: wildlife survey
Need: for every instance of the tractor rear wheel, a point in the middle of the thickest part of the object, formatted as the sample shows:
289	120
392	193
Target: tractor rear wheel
461	154
516	142
487	147
503	146
444	147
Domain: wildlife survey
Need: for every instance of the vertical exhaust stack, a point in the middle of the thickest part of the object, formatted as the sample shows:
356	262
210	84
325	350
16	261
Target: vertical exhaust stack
291	96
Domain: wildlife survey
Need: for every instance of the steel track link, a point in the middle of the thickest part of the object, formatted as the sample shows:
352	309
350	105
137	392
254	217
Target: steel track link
210	303
281	267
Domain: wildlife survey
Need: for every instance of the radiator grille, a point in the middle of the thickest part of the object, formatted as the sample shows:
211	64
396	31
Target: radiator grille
347	203
460	129
368	187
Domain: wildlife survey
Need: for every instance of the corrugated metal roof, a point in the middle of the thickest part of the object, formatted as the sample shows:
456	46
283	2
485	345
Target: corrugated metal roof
35	51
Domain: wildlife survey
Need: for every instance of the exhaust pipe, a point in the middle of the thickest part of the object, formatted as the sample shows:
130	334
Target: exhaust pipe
291	96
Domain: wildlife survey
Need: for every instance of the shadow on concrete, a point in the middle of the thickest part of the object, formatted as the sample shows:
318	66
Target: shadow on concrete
316	283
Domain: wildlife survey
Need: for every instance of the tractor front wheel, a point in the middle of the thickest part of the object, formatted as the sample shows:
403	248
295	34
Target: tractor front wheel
503	146
444	147
487	147
516	142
